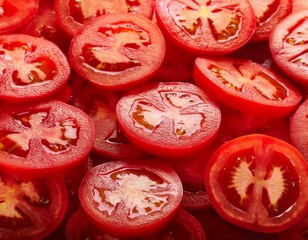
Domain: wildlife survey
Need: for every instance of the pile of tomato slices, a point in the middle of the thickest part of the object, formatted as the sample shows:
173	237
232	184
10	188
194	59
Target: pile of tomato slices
154	119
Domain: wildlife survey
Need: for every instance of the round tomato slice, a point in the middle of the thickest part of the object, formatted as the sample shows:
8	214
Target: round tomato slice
73	14
117	51
43	139
298	126
31	209
207	27
268	14
15	14
31	68
289	46
246	86
130	199
169	119
258	182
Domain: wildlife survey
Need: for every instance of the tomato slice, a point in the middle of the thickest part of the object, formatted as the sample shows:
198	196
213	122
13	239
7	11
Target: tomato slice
73	14
130	199
298	124
258	182
118	51
246	86
297	232
288	43
15	14
47	138
227	26
169	119
31	209
268	14
31	68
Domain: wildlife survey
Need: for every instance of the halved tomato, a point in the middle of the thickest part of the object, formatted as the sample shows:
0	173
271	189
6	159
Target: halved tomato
130	199
45	138
246	86
258	182
31	209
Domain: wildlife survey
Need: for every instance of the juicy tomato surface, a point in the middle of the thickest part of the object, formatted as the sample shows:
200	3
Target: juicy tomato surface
31	68
44	139
258	182
31	209
130	199
268	14
298	124
15	14
226	25
171	119
246	86
288	43
73	14
118	51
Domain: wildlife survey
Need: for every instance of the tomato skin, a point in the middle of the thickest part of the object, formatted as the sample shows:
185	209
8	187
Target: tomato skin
42	213
169	119
32	68
288	46
299	122
46	138
127	217
117	52
246	86
191	36
250	206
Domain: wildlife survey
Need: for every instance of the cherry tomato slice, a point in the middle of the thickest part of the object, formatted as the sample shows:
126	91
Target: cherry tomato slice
117	51
246	86
258	182
47	138
31	209
289	46
169	119
31	68
130	199
207	27
73	14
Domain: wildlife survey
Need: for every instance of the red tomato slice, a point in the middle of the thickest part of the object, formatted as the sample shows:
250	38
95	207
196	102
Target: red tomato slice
268	14
118	51
73	14
298	126
246	86
258	182
15	14
289	46
207	27
46	138
169	119
130	199
31	68
31	209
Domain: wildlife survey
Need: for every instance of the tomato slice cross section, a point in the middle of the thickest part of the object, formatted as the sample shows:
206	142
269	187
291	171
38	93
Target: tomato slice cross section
131	199
258	182
46	138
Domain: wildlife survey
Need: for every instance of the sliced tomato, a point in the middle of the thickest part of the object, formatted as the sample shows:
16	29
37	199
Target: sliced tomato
130	199
246	86
47	138
15	14
31	209
117	51
207	27
258	182
297	232
298	126
31	68
169	119
268	14
289	43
